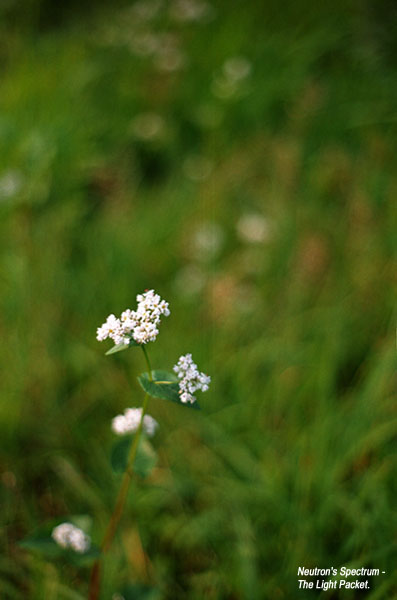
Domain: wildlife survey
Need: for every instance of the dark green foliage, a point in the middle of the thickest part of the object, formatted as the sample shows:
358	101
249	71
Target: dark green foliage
145	459
141	592
163	385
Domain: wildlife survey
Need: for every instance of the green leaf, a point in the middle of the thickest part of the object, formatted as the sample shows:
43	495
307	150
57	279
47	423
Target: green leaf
87	558
145	459
121	347
164	385
84	522
43	545
48	548
119	454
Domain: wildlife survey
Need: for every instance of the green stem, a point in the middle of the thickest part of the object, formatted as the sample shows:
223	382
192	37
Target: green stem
147	362
121	497
125	484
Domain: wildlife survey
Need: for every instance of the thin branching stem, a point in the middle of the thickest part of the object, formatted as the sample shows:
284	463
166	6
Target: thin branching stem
121	497
147	362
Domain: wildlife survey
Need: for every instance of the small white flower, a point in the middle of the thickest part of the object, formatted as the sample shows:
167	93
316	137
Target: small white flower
70	536
190	281
253	228
143	44
207	241
237	68
230	80
169	60
146	10
190	10
10	184
129	422
148	126
112	329
141	324
119	425
190	378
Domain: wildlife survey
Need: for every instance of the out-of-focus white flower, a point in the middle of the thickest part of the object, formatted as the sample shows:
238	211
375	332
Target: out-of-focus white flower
253	228
197	168
223	88
189	281
70	536
190	378
140	324
10	184
237	68
169	59
190	10
228	82
148	126
207	241
145	10
143	44
168	56
129	422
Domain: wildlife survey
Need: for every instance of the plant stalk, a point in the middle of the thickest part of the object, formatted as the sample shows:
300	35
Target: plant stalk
148	363
121	497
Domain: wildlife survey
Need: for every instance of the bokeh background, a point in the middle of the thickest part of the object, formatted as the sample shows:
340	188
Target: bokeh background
238	157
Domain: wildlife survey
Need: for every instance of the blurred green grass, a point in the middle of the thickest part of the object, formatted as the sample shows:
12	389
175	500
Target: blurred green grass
257	196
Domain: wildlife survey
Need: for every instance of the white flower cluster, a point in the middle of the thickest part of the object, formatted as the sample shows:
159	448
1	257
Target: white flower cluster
190	378
129	422
69	536
140	324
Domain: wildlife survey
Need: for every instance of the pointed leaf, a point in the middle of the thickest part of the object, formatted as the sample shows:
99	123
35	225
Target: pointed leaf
84	522
121	347
146	458
43	545
86	558
119	454
164	385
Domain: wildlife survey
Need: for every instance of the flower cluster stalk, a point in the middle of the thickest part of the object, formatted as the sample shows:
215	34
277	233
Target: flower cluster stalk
121	497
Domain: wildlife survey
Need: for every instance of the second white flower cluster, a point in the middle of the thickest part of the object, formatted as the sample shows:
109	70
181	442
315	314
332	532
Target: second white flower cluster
190	378
130	420
68	535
